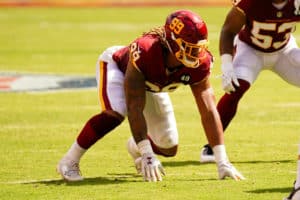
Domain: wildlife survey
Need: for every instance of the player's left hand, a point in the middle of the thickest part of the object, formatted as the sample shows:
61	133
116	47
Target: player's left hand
226	169
152	169
229	79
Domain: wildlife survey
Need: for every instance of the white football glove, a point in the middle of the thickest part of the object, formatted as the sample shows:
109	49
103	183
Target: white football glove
152	170
229	78
226	169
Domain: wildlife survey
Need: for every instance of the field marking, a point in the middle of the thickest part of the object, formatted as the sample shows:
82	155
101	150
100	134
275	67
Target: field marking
14	82
288	105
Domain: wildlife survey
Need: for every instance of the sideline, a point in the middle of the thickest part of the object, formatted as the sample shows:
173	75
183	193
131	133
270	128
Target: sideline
15	82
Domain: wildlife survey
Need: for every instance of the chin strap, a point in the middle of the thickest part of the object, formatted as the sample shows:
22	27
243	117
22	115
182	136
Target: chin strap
166	42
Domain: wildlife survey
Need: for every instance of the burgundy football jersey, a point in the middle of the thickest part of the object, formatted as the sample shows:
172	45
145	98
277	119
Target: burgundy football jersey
149	56
267	28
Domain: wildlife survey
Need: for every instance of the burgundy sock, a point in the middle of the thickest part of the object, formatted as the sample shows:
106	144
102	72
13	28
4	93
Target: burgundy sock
97	127
227	105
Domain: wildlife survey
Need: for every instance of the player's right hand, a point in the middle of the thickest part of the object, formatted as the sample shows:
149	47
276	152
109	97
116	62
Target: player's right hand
226	169
229	78
151	168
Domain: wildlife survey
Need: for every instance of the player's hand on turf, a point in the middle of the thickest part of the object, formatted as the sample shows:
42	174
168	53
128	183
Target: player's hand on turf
152	170
226	169
229	79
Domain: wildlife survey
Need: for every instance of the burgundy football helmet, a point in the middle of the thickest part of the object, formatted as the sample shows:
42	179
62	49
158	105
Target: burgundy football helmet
186	36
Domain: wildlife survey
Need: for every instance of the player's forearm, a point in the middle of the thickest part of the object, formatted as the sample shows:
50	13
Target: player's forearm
135	101
138	125
234	22
226	42
135	106
210	119
134	86
213	128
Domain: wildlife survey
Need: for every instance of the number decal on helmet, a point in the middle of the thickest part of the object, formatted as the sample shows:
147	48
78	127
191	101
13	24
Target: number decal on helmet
176	25
235	2
134	51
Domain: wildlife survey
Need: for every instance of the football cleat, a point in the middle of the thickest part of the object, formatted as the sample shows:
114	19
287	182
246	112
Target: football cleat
69	170
207	154
136	156
294	195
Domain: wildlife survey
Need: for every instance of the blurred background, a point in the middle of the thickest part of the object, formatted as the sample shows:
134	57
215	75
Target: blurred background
114	2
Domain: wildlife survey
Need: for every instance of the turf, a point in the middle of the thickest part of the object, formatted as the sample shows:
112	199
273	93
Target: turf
38	128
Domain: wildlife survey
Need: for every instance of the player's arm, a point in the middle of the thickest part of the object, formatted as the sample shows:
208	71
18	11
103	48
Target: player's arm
134	84
205	100
234	22
135	100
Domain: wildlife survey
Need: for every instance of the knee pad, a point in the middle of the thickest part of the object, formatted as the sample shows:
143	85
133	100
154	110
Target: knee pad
164	134
294	56
168	140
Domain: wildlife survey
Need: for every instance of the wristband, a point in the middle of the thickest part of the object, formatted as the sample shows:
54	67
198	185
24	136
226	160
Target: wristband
144	146
226	58
220	153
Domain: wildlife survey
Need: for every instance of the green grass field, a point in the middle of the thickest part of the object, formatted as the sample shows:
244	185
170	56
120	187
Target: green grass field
38	128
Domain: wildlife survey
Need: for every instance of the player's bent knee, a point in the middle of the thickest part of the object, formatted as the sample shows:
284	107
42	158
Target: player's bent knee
166	152
169	140
168	146
294	56
114	114
170	152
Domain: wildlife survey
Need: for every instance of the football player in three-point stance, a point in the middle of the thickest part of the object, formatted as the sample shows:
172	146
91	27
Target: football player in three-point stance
264	42
134	81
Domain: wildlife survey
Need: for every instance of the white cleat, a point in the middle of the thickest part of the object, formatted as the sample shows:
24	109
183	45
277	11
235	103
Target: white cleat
207	155
294	195
136	156
69	170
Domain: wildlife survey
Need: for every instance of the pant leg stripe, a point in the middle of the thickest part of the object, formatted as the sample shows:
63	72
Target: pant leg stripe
103	96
